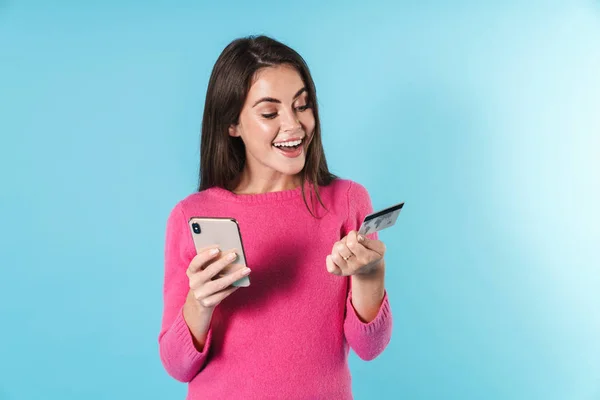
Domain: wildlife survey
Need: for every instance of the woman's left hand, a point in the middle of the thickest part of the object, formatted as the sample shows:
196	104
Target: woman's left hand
355	255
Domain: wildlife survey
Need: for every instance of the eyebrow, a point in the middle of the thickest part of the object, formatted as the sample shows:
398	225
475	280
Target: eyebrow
272	100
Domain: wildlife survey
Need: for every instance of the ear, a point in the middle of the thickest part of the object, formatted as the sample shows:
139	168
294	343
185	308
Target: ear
233	131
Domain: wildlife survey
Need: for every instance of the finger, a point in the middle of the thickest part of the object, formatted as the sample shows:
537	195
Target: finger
332	268
339	261
210	285
356	247
336	244
203	288
227	280
342	249
217	266
203	257
214	299
374	245
335	252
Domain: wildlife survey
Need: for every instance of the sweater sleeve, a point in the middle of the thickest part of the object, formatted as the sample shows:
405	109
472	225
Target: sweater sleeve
178	354
368	340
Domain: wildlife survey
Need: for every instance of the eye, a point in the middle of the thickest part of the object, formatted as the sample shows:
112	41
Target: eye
303	108
269	116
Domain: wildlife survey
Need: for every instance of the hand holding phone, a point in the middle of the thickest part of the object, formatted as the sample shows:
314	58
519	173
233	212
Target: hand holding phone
203	274
223	233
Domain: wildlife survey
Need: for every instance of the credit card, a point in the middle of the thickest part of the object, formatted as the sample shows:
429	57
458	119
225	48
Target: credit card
380	220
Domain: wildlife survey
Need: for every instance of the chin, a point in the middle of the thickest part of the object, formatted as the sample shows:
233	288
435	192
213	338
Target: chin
292	171
293	168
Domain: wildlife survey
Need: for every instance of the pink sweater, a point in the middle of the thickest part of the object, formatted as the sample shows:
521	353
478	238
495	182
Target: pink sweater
288	335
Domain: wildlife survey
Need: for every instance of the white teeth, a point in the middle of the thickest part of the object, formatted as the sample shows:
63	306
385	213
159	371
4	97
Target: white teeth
288	144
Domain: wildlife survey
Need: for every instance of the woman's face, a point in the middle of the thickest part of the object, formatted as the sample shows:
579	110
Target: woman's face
276	123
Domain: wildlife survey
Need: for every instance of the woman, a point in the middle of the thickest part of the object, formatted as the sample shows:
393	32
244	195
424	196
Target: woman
317	287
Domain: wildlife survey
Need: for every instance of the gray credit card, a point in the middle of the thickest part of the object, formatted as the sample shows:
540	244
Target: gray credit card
380	220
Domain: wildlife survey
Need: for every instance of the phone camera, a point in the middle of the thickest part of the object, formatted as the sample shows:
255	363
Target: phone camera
196	227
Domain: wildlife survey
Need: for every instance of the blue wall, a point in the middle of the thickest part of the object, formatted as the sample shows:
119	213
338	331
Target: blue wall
484	118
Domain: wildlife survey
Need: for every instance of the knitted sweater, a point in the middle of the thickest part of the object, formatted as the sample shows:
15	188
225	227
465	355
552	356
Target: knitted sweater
287	335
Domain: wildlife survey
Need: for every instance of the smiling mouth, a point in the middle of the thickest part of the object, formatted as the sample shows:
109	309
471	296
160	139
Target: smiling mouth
289	145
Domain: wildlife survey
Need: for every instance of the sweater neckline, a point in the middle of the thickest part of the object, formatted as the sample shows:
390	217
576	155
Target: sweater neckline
266	197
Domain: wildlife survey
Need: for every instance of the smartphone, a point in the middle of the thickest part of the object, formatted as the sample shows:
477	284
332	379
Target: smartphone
380	220
225	233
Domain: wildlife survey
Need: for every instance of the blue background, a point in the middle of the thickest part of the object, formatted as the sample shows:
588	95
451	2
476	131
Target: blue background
483	117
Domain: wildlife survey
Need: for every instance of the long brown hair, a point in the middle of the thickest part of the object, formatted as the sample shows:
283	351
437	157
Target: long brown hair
222	157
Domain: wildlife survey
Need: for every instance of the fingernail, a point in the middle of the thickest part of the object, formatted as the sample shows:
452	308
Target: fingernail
246	271
231	256
214	252
361	238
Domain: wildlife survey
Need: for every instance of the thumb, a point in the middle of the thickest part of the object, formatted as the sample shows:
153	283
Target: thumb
374	245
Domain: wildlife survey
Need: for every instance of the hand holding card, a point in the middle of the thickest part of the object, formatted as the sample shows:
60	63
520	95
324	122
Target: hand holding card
355	256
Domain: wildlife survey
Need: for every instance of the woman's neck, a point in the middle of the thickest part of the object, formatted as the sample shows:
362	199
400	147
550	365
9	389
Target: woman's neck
254	185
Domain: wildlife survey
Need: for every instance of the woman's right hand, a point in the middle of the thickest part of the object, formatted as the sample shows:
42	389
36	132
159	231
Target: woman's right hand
207	291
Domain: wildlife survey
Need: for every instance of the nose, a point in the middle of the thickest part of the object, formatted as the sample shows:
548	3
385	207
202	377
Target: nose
290	122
